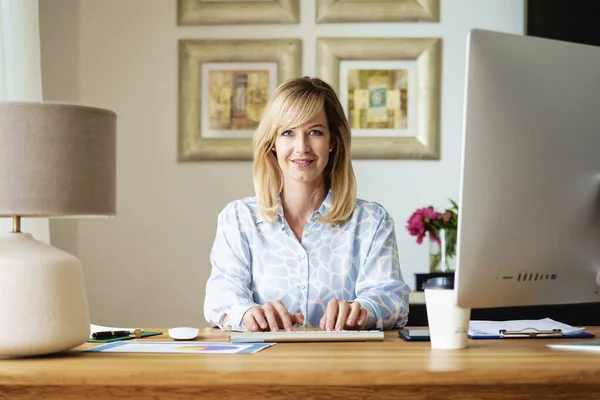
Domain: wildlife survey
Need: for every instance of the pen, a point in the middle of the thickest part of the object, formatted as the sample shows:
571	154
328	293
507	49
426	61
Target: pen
110	334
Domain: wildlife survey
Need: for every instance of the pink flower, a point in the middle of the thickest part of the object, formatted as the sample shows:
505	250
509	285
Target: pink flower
416	222
427	221
430	214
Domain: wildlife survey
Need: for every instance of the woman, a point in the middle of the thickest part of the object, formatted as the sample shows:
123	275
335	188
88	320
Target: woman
305	251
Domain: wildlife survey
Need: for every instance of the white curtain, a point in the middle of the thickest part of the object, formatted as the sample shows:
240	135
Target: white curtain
21	76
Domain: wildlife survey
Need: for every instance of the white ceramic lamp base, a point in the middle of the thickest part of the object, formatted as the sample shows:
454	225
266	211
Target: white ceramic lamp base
43	301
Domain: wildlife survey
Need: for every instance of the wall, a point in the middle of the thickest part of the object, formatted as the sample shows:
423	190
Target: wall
148	266
59	31
21	79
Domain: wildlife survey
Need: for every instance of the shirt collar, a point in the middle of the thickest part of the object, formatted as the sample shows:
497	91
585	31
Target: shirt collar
280	217
321	211
325	205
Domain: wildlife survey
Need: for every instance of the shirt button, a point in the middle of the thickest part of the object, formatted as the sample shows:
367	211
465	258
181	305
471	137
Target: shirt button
302	287
303	256
308	230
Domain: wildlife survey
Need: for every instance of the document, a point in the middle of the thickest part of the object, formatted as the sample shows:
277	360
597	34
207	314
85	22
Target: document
180	347
541	327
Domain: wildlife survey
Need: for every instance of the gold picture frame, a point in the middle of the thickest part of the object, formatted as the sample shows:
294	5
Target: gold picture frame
202	12
421	140
378	11
199	108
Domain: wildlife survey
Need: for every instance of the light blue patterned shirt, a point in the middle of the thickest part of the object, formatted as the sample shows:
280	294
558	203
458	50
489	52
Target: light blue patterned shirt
256	261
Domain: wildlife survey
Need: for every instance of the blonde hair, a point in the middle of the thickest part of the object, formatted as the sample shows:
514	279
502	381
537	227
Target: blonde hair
292	104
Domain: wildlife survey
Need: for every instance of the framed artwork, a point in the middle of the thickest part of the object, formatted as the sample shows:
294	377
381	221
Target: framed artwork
237	94
224	86
378	11
212	12
376	97
390	91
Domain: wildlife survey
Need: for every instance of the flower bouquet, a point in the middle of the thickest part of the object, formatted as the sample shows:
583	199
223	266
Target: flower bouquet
441	229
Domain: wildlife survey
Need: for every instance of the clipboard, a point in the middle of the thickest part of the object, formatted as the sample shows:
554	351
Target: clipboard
533	333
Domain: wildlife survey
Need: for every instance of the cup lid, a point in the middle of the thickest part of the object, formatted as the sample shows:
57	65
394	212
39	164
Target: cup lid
441	282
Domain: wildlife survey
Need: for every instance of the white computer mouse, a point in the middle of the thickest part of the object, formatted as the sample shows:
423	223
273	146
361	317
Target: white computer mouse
184	333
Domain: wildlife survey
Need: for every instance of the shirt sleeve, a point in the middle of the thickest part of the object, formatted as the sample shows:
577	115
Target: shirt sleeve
380	288
228	287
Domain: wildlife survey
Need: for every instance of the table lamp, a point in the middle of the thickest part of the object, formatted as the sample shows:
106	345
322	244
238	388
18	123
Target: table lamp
56	160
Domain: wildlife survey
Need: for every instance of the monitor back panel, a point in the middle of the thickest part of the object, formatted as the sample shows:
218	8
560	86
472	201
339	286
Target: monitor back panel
529	221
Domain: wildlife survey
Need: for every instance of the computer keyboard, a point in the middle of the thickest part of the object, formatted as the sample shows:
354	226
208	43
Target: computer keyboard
307	336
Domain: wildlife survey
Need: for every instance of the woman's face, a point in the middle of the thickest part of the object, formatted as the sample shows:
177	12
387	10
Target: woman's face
303	151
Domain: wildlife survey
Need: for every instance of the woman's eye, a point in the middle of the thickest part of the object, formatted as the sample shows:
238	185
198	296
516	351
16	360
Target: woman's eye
287	133
315	132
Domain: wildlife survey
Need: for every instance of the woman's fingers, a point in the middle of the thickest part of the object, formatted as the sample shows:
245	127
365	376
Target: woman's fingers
261	320
277	316
270	314
254	319
283	314
339	315
331	314
298	318
362	318
342	314
352	319
249	321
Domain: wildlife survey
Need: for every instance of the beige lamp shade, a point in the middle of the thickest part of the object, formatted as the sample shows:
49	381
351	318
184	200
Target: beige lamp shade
57	160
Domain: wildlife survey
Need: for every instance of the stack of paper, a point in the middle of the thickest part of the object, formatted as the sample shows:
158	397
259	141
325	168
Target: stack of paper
524	326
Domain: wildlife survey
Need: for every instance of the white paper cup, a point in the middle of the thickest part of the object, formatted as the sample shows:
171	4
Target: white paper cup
448	323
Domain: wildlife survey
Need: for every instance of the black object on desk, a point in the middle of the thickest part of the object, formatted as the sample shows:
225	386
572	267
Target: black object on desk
585	314
110	334
143	334
421	278
416	335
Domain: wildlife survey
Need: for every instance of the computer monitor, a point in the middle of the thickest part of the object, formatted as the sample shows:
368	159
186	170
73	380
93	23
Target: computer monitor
529	220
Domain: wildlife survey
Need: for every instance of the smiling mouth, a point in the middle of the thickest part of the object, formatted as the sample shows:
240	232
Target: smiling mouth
302	163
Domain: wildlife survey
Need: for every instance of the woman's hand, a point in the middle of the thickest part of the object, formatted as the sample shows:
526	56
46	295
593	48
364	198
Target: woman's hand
343	315
270	316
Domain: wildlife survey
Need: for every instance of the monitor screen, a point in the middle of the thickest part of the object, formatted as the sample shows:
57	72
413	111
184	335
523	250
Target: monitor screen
529	221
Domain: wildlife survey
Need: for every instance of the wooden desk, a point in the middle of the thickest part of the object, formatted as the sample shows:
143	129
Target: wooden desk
490	369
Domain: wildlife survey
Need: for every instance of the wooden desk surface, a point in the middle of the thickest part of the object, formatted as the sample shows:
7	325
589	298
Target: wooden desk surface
497	369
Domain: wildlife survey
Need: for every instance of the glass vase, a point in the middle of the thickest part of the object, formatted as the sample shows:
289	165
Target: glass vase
442	251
